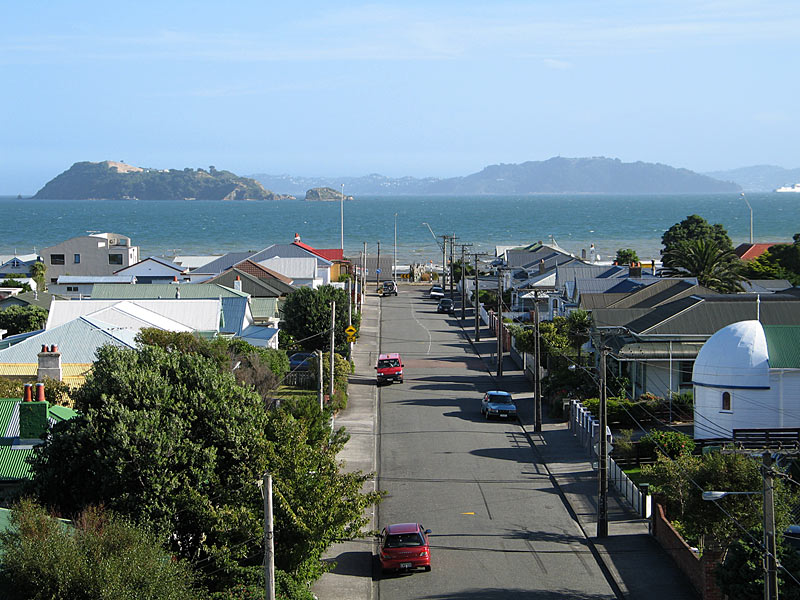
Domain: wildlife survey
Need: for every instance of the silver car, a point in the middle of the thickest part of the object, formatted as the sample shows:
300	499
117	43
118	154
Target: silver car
498	404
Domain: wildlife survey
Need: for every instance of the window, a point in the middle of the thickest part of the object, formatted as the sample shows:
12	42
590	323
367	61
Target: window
686	367
76	259
726	400
72	288
56	259
54	280
115	259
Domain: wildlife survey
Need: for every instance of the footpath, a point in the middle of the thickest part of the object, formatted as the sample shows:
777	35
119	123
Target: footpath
634	563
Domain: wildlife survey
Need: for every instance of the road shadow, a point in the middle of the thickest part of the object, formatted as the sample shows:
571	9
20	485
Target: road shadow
518	594
354	564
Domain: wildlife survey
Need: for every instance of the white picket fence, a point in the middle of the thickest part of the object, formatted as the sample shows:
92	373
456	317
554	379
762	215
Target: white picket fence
586	428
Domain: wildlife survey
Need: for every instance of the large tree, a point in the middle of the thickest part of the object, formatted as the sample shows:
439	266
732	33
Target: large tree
171	440
781	261
694	227
714	267
20	319
307	317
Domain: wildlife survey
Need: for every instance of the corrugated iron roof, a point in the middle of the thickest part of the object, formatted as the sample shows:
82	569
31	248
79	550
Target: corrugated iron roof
125	280
155	291
264	308
659	351
783	345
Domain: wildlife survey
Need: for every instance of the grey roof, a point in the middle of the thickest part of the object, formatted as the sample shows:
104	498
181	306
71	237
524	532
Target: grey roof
224	262
614	285
76	279
255	286
234	310
660	292
77	340
765	286
159	260
532	255
658	351
602	300
40	299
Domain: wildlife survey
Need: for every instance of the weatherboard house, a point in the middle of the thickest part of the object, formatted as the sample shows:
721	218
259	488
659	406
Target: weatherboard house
747	376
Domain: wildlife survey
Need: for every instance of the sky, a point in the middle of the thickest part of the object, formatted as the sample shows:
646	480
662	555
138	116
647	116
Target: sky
419	88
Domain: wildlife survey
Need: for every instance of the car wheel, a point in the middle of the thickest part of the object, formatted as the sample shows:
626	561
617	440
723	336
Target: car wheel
399	381
427	568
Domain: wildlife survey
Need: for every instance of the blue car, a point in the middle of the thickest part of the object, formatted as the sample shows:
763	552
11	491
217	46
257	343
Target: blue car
498	404
301	361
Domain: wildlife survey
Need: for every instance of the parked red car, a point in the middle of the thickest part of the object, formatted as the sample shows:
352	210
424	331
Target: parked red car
405	546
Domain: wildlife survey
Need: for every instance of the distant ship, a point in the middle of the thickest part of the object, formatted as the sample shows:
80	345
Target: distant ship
789	188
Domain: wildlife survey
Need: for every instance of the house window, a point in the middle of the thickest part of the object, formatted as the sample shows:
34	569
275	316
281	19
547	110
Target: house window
76	259
726	400
54	280
115	259
685	367
72	288
56	259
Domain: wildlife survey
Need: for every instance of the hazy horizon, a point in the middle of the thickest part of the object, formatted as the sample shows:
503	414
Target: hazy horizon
401	89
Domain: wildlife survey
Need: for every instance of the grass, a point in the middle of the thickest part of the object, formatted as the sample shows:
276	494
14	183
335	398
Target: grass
635	473
286	392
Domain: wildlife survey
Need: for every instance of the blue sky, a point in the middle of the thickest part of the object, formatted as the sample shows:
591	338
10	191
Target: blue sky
397	88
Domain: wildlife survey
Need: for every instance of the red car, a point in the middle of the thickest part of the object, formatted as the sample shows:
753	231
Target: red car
389	368
405	546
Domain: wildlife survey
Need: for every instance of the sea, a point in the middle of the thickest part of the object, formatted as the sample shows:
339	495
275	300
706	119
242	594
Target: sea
407	223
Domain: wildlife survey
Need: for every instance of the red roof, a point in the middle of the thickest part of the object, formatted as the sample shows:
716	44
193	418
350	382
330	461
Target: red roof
327	253
751	251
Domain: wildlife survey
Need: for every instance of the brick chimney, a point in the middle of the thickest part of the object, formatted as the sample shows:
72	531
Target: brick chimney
237	285
50	363
296	237
635	270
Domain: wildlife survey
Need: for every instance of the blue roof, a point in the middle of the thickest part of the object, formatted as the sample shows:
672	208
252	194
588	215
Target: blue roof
223	263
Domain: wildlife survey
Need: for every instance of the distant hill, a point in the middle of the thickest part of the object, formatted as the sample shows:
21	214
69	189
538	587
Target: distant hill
759	178
554	176
326	194
118	181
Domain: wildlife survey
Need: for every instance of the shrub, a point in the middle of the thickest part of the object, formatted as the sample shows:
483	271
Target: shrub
671	443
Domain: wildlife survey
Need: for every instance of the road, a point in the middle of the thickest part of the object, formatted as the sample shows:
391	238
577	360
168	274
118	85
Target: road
500	527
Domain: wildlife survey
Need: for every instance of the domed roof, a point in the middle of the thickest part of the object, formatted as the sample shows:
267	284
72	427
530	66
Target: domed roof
734	357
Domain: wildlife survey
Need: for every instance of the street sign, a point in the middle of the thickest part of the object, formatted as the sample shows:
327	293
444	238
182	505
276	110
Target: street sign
351	338
351	331
378	271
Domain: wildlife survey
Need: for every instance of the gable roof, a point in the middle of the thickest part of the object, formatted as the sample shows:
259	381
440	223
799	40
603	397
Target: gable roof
260	271
157	259
288	251
154	291
661	292
256	287
40	299
224	262
751	251
297	268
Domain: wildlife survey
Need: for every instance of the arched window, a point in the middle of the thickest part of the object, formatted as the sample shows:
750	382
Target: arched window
726	400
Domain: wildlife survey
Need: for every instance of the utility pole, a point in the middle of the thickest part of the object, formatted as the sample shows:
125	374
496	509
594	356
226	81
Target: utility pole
499	322
378	269
770	560
394	263
320	392
349	314
341	211
602	460
333	342
537	380
462	280
444	261
452	266
269	540
476	299
364	276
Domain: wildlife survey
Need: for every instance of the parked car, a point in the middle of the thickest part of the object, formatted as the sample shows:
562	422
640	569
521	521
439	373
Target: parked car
436	291
389	288
446	305
498	404
301	361
405	546
389	368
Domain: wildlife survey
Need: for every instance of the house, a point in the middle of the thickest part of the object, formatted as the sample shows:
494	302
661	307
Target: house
93	254
751	251
155	270
747	376
80	286
303	271
23	425
23	299
340	265
17	266
266	294
654	347
71	350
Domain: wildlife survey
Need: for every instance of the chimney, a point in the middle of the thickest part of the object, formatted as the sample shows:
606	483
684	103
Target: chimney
296	237
237	285
177	293
49	363
541	266
27	395
34	416
635	270
174	279
583	253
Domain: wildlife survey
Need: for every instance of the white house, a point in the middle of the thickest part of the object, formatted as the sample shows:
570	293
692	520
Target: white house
747	376
302	271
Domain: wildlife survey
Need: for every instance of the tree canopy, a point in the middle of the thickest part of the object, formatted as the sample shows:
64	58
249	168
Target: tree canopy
694	227
171	440
20	319
626	256
307	317
714	267
781	261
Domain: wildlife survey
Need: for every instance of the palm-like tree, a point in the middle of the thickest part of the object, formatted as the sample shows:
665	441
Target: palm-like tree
579	325
714	267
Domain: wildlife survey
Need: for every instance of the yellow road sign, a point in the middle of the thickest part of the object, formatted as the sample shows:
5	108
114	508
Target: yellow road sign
351	331
351	338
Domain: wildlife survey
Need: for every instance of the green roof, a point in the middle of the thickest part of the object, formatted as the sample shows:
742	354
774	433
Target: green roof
783	345
153	291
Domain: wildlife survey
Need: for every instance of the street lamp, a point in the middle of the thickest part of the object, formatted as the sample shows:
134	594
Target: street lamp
341	214
714	496
394	264
751	215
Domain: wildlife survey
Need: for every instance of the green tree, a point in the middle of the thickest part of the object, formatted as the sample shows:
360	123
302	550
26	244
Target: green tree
626	256
15	281
171	440
694	227
307	317
20	319
713	266
38	270
781	261
579	327
741	573
99	555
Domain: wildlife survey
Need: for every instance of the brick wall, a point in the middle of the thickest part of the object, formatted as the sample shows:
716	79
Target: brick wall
699	571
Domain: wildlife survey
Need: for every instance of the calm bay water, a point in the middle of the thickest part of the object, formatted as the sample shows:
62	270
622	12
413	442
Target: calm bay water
575	221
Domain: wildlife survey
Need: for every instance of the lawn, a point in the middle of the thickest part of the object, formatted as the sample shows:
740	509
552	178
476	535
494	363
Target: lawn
635	473
287	392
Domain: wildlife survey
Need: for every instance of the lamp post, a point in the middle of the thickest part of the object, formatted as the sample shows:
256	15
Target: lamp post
341	215
751	215
394	263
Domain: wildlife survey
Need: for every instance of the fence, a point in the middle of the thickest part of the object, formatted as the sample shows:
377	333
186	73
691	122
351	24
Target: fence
586	428
303	379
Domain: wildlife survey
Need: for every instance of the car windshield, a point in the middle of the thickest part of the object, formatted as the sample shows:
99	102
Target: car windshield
391	362
404	540
500	399
436	288
388	284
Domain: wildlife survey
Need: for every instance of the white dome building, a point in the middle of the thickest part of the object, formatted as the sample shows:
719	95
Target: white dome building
747	376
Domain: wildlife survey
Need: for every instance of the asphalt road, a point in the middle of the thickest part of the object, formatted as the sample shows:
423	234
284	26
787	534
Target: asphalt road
500	528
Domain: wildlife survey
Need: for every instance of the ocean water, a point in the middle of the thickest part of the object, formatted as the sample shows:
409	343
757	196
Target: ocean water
574	221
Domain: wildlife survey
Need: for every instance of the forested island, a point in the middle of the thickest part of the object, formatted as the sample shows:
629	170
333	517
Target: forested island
111	180
325	194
